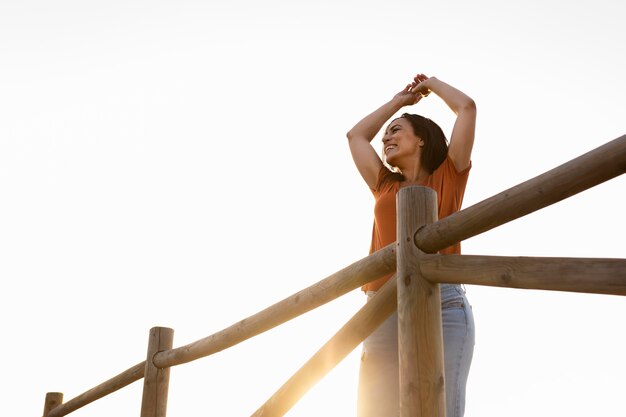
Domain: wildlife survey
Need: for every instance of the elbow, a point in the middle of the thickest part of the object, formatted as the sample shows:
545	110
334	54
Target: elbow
350	135
469	105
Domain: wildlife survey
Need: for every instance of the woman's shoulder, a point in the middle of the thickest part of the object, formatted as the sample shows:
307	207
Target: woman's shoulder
447	168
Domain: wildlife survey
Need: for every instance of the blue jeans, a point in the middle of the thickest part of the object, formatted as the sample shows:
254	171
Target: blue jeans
378	394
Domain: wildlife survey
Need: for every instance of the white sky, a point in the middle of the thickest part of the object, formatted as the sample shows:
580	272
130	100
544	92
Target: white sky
184	164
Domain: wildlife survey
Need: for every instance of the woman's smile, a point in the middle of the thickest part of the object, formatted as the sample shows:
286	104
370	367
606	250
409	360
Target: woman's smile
389	147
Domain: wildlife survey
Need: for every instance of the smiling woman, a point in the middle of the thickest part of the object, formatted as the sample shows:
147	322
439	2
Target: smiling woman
416	150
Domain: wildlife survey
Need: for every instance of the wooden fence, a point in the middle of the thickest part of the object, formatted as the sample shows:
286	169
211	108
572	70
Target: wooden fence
415	293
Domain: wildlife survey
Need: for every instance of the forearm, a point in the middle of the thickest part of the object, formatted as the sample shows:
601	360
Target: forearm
462	136
455	99
371	124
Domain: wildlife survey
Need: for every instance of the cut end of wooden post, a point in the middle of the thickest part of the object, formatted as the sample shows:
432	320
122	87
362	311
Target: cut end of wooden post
53	400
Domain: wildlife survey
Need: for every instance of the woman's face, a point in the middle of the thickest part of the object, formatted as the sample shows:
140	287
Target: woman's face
401	146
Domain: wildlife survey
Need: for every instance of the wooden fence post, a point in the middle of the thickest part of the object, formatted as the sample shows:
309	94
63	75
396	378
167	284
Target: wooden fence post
420	339
53	399
156	380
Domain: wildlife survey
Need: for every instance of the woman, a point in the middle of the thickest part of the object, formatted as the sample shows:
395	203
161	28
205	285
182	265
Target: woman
416	149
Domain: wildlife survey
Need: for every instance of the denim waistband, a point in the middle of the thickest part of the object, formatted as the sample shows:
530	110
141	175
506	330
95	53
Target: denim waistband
452	287
443	288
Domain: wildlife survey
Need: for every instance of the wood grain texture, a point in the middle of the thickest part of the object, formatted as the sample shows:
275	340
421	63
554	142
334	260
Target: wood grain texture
156	380
53	400
585	275
593	168
353	276
119	381
420	337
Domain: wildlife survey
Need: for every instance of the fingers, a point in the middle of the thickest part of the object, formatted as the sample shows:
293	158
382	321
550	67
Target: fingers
418	79
409	88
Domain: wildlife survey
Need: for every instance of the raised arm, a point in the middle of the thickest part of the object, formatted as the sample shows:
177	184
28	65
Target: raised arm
360	136
462	137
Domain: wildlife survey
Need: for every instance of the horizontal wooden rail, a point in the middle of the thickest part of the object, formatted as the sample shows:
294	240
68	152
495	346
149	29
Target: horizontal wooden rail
586	275
108	387
347	279
353	276
599	165
364	322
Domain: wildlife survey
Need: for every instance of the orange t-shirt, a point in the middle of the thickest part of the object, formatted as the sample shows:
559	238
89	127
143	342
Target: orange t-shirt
445	180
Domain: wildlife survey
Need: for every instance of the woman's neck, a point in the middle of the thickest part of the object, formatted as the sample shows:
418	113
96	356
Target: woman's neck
414	175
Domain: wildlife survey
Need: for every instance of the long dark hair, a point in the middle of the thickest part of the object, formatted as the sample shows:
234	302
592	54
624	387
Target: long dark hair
435	147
